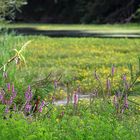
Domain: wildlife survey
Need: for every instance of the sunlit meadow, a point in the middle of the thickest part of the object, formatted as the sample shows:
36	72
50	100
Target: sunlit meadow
103	68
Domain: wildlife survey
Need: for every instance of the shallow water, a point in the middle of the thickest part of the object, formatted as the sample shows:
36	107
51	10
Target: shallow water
64	101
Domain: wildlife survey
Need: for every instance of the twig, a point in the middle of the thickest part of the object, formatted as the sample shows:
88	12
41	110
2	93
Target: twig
16	55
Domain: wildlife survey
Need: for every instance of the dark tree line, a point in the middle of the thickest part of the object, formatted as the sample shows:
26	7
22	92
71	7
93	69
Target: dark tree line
80	11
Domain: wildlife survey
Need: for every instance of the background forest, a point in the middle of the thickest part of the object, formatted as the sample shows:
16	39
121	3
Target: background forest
80	11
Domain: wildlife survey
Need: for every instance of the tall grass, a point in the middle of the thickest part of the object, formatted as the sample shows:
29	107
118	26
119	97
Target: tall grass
71	64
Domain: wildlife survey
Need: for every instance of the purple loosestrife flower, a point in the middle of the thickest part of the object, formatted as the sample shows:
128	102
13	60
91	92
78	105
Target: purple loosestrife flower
10	101
13	88
122	110
14	94
8	86
3	100
126	85
1	96
31	95
125	101
108	84
40	109
113	70
7	110
75	98
28	94
41	106
28	107
124	78
27	97
43	103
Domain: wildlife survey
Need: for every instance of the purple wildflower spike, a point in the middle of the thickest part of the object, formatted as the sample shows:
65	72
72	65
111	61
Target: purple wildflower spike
126	85
40	109
1	96
41	106
113	70
75	98
43	103
14	94
7	110
123	110
124	78
3	101
108	84
28	94
125	101
8	86
31	95
28	107
13	88
10	101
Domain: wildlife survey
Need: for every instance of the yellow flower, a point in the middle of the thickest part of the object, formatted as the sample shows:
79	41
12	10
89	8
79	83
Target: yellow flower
125	70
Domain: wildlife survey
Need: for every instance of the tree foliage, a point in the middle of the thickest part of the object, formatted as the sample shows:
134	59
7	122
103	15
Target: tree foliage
136	16
8	7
